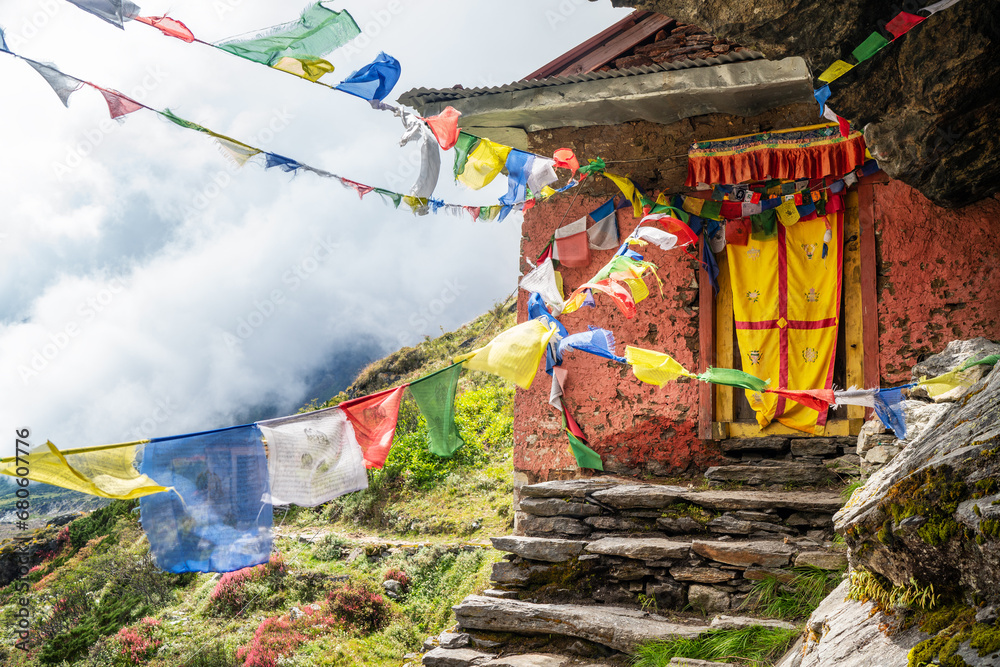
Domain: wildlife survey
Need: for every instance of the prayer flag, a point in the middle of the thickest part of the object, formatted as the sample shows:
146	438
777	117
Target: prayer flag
889	408
855	396
220	519
465	144
788	214
612	288
838	69
538	310
663	240
3	42
375	80
317	32
114	12
177	120
518	167
435	396
902	23
394	197
430	155
514	354
542	174
604	235
990	360
566	158
62	84
822	95
360	188
733	377
572	247
874	43
236	151
108	472
542	280
418	205
284	163
817	399
629	190
118	105
596	341
942	384
313	458
445	127
584	455
938	6
685	235
483	164
654	367
312	69
168	26
374	418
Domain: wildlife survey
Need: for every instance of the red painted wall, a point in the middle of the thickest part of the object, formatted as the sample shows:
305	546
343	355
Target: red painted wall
939	278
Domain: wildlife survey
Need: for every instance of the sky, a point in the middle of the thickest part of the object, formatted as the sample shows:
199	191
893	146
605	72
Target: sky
150	288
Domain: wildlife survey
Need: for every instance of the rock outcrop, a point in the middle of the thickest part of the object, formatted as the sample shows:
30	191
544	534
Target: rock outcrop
926	103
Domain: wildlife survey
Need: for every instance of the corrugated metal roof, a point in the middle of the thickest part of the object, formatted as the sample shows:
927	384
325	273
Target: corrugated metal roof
420	96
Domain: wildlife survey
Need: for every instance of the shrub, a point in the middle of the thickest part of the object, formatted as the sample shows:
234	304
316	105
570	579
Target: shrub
134	645
242	590
754	643
331	547
397	575
275	637
98	523
359	608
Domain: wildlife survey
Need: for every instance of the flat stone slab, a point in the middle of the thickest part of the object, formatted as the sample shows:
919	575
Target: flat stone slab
567	488
615	627
557	507
800	501
498	593
543	526
692	662
633	496
551	550
723	622
763	553
702	575
770	472
530	660
640	548
455	657
824	560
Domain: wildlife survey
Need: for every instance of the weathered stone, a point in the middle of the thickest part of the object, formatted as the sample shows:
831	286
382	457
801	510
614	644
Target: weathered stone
682	525
557	507
514	574
615	627
461	657
693	662
748	515
824	560
921	417
454	640
544	526
873	433
529	660
669	594
639	496
762	553
770	472
703	575
723	622
498	593
802	501
539	548
730	525
630	571
761	573
707	599
766	444
847	464
618	523
814	519
880	454
814	447
640	548
568	488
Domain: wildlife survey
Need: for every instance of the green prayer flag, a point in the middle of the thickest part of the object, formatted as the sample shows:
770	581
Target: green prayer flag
872	45
466	144
764	226
733	378
594	166
318	32
585	456
394	197
712	210
435	396
989	361
169	115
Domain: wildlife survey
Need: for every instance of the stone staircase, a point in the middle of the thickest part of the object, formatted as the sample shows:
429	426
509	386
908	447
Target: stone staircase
598	564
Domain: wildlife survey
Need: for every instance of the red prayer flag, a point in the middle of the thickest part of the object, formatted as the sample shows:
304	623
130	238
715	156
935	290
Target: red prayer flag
573	427
374	419
118	105
817	399
528	205
731	210
445	127
901	24
845	126
473	211
547	253
360	188
566	158
738	231
168	26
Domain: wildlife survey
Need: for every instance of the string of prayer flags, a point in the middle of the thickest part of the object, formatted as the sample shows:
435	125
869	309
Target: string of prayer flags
572	245
219	520
317	32
115	12
854	396
817	399
542	281
375	80
990	360
733	377
119	105
108	472
435	396
445	127
654	367
604	235
889	409
374	419
483	164
313	458
874	43
62	85
173	28
514	354
902	23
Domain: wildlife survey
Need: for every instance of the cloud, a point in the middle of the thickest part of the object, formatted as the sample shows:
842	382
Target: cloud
150	288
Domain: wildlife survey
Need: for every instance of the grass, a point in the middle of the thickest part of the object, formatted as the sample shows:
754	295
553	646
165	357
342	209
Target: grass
754	645
796	599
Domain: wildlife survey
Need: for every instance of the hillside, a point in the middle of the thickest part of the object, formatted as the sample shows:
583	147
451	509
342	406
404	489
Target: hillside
96	598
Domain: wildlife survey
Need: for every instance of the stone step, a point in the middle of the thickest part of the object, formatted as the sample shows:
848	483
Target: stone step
456	657
551	550
771	472
824	502
762	553
617	628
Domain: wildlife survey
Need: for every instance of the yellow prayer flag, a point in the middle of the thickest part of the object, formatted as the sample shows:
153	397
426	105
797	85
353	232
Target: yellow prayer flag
484	163
308	68
693	205
838	69
942	384
415	203
788	214
547	192
514	354
236	151
106	472
654	367
629	190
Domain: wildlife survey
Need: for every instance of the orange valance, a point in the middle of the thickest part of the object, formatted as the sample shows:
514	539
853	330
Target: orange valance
814	152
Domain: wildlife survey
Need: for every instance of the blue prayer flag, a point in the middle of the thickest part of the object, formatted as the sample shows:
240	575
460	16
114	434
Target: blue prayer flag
822	95
889	408
275	160
3	42
221	521
518	167
375	80
600	342
603	211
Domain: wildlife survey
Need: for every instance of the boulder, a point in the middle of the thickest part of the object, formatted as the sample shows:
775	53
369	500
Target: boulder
454	640
640	548
762	553
460	657
770	472
707	599
874	433
557	507
551	550
615	627
639	496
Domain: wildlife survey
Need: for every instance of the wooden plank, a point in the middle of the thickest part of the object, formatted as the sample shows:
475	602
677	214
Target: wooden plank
853	325
556	67
834	428
725	405
869	288
618	45
706	345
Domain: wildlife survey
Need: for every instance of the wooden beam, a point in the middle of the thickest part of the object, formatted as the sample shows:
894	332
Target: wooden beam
869	287
555	67
853	324
706	345
835	428
725	397
618	45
